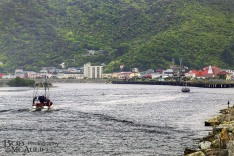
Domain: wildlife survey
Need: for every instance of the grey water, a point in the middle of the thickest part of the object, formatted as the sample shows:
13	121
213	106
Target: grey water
108	119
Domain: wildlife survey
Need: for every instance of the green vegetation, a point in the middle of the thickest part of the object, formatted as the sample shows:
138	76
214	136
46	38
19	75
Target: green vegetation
20	82
142	33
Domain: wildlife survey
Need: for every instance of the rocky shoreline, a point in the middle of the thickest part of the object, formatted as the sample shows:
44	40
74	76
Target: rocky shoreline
219	142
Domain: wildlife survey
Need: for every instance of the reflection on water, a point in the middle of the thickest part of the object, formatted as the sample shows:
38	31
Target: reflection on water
107	119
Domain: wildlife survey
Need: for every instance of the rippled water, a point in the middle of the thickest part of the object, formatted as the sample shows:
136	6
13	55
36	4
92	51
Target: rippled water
108	119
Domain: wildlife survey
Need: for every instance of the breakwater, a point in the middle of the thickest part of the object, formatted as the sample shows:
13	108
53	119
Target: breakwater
74	80
3	82
204	84
220	141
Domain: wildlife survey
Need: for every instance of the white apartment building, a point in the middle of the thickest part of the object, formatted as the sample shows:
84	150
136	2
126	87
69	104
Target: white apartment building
92	72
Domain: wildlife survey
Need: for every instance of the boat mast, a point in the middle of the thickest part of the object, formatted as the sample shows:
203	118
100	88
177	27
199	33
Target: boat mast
45	84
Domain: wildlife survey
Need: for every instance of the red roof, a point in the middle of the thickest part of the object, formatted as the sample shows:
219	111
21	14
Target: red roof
223	73
148	76
215	69
205	72
199	73
159	70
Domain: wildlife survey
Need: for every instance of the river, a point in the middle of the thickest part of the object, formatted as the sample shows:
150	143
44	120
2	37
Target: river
108	119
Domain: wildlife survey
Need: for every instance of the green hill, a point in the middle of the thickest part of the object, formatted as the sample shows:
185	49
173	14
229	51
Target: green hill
140	33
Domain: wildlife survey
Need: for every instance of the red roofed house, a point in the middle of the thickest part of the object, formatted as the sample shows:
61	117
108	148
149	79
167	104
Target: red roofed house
224	75
160	71
210	72
191	73
147	76
124	75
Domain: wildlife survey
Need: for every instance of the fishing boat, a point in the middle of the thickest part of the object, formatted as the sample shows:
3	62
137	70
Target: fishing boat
41	102
39	105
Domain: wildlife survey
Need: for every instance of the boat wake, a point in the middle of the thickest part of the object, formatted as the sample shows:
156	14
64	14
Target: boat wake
23	110
137	126
6	110
14	110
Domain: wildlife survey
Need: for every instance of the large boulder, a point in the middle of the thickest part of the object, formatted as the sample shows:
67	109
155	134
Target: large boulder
216	152
213	121
189	151
216	143
204	145
199	153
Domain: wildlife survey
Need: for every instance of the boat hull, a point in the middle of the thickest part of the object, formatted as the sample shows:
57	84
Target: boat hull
42	108
185	90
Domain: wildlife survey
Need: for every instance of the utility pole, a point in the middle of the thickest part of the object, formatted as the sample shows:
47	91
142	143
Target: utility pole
180	68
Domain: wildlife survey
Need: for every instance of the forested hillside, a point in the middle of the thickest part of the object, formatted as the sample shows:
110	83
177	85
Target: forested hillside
136	33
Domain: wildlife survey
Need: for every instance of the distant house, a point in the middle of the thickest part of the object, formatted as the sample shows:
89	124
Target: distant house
44	73
229	71
160	71
192	73
49	69
115	75
147	76
135	74
9	76
30	74
19	70
75	75
60	75
224	75
124	75
156	75
19	73
73	69
70	75
168	72
210	72
135	70
106	76
1	75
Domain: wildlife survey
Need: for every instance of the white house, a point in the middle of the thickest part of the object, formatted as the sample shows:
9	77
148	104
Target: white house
124	75
70	75
19	73
168	72
9	76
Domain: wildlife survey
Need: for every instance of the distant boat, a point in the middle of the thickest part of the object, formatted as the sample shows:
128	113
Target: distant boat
185	89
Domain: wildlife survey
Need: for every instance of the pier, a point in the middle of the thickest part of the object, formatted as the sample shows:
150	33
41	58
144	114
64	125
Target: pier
204	84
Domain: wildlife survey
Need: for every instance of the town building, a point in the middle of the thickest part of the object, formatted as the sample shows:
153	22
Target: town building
70	75
92	72
49	69
19	73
